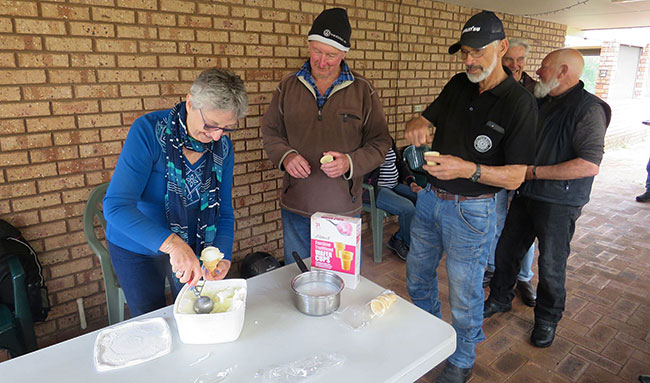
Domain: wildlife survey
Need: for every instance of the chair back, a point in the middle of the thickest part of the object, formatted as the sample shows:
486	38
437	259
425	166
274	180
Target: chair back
17	327
94	209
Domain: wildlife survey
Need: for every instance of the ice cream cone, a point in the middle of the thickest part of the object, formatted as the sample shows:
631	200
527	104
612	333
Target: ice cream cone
339	248
210	256
346	259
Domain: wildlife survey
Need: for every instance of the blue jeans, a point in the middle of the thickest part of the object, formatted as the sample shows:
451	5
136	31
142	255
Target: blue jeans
463	231
526	272
296	233
647	180
400	201
142	278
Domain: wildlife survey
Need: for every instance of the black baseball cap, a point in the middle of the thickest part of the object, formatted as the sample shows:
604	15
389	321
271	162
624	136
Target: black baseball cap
480	30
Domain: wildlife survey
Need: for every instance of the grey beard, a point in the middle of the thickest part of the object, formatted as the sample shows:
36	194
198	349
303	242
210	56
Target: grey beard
485	73
543	89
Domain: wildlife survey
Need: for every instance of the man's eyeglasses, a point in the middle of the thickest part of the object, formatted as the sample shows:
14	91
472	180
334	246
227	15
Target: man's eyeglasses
209	128
475	52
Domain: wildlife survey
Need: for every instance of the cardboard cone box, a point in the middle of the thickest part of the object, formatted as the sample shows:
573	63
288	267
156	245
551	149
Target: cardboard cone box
336	246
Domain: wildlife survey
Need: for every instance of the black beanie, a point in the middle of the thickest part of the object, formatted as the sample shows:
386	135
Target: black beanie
332	27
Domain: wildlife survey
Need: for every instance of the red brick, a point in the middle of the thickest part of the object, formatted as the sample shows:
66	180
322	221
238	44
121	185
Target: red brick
177	6
96	91
40	60
19	8
46	92
25	142
136	32
53	154
13	158
121	75
139	4
113	15
22	76
10	93
80	166
17	189
155	18
60	183
99	120
40	27
65	11
76	137
36	202
117	46
72	267
13	110
46	124
75	107
92	61
68	44
139	90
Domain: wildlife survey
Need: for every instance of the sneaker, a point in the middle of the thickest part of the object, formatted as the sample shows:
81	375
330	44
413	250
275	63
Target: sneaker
398	246
645	197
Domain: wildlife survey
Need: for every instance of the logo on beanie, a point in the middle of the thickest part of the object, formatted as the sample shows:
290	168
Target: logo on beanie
482	143
327	33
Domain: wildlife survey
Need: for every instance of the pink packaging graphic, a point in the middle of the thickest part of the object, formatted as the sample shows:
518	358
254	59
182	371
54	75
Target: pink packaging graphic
335	246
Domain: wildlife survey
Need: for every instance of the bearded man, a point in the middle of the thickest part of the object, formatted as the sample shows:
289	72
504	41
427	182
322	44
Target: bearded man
570	141
484	131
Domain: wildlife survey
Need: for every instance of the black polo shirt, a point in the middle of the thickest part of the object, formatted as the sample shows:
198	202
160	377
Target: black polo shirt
494	128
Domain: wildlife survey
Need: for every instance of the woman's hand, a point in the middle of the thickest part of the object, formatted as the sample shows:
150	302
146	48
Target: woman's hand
219	273
183	260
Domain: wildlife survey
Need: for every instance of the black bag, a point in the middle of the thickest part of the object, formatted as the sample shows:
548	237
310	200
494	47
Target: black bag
13	243
257	263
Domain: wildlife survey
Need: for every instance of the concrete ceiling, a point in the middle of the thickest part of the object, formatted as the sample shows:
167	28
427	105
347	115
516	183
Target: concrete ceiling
580	14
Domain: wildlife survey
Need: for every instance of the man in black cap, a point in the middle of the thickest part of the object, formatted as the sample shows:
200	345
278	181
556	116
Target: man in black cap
484	131
325	128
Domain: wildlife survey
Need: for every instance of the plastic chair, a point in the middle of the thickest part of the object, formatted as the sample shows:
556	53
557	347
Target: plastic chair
115	298
377	217
17	327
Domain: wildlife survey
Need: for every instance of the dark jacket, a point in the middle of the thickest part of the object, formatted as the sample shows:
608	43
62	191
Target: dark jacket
554	146
405	175
527	82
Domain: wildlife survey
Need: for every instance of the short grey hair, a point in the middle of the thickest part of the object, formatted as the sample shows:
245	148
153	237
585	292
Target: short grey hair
220	89
517	42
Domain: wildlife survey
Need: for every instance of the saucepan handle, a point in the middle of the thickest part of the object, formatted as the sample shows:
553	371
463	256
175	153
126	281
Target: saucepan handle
300	263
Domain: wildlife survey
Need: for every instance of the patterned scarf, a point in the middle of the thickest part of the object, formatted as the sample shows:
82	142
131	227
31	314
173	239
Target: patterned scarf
175	138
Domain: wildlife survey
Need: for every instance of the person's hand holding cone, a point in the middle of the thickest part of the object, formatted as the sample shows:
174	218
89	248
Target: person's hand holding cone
210	256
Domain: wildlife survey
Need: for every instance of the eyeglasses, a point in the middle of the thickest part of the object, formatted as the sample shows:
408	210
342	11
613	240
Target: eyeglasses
229	128
475	53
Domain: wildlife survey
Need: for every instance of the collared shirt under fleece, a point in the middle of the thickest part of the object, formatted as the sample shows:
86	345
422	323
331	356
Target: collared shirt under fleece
494	128
350	121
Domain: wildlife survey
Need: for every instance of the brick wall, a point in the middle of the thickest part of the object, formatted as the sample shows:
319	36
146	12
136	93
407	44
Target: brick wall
75	74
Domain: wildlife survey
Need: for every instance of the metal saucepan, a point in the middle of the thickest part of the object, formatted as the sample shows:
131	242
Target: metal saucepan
316	292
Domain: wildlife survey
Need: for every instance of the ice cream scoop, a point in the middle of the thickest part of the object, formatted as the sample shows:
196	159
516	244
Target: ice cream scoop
203	304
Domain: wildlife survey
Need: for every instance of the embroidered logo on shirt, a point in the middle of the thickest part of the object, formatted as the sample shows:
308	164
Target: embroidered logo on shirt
482	143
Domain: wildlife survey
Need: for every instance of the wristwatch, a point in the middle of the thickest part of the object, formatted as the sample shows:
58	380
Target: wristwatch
477	174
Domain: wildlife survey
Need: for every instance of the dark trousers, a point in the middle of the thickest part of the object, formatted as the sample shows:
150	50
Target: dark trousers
554	226
142	278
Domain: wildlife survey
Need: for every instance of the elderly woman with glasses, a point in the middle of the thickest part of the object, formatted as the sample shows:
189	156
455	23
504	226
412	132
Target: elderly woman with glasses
171	193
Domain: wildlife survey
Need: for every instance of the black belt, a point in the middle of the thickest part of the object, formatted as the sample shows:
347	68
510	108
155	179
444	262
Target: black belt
442	194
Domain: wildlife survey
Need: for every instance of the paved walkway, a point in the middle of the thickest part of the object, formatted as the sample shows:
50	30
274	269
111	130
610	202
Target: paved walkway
604	335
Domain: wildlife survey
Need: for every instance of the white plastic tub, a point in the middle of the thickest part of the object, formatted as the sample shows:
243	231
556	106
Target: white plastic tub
210	328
